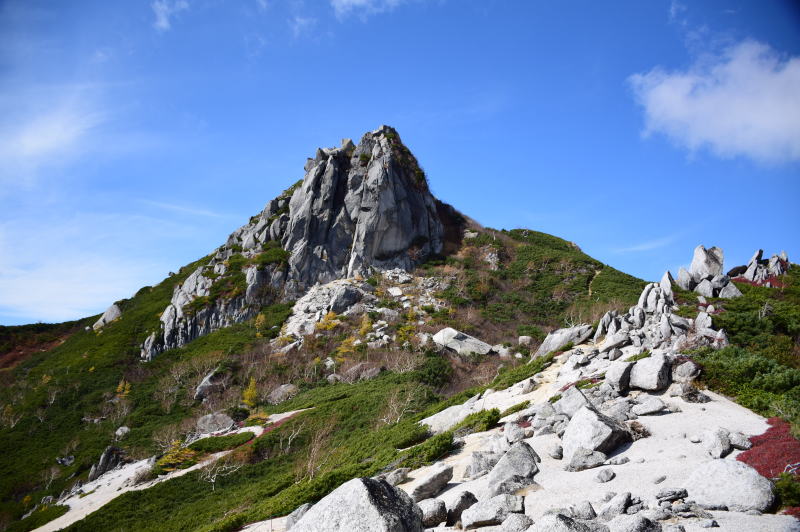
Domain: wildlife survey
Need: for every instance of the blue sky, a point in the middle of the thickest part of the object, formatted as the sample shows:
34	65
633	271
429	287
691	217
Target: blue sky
135	136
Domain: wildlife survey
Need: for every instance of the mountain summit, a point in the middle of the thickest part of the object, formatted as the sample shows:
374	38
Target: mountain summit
358	208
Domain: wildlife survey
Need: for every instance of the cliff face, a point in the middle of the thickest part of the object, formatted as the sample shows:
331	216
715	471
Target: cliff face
359	208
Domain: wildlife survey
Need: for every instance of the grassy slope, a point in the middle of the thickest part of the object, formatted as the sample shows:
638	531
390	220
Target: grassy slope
542	281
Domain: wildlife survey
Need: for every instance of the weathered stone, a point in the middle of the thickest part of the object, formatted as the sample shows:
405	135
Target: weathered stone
618	375
685	372
111	458
594	431
730	291
555	451
604	475
561	337
433	482
704	288
516	523
455	507
633	523
716	442
729	484
214	423
702	321
684	280
558	523
615	506
651	373
583	459
282	393
739	441
651	405
584	510
398	476
363	505
491	512
461	343
706	263
434	512
571	400
112	313
514	470
123	431
618	339
481	462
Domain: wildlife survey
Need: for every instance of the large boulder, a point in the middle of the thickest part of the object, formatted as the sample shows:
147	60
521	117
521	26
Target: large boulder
515	469
433	482
729	484
491	512
594	431
214	423
111	458
112	313
282	393
295	516
651	373
363	505
561	337
461	343
706	263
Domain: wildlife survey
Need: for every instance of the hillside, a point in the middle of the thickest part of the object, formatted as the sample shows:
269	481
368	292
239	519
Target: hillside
328	303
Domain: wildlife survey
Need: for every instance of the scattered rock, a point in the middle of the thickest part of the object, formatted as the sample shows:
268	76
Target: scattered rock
561	337
461	343
651	373
555	451
572	399
216	422
716	442
514	470
111	458
434	512
123	431
516	523
491	512
558	523
583	459
594	431
433	482
457	506
651	405
604	475
618	375
398	476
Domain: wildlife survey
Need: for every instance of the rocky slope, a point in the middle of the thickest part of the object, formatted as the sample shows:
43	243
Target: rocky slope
366	336
359	208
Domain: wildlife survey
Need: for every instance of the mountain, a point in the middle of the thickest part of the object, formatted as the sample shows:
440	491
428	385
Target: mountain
358	326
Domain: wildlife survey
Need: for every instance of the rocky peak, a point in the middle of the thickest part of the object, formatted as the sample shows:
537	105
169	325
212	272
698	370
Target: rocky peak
359	208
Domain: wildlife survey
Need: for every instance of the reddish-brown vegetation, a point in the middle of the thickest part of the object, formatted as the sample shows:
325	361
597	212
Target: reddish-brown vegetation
773	450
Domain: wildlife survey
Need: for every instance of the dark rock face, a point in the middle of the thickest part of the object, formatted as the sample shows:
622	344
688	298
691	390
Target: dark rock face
111	458
361	207
358	208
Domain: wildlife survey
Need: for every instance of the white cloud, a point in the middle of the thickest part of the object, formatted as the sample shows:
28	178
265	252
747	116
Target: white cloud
742	102
363	7
164	10
302	25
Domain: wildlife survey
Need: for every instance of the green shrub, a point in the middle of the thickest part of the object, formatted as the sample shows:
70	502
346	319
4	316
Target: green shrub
238	413
435	371
215	444
39	518
428	452
514	409
787	488
177	457
644	354
477	422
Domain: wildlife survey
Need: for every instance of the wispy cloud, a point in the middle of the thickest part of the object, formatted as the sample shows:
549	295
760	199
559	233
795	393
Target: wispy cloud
182	209
363	7
302	25
743	101
656	243
43	131
165	10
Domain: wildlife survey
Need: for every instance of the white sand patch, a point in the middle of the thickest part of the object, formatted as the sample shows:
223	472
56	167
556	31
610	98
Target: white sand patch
121	480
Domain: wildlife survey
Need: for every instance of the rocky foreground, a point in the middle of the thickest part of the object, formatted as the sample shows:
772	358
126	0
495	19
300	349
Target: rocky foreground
614	436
